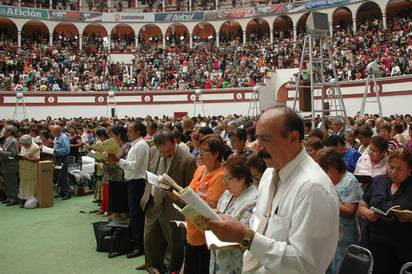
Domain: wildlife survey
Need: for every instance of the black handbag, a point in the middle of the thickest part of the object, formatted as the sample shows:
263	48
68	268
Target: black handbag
112	239
103	235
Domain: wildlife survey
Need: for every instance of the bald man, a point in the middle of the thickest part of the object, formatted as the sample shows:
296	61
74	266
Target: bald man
294	230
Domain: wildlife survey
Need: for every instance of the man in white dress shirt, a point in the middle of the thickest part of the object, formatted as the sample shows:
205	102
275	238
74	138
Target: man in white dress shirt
134	167
300	233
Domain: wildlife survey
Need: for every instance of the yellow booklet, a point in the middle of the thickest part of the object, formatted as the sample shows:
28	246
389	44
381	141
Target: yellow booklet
111	146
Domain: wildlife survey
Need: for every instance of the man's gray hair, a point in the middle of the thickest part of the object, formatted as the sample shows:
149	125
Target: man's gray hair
26	139
12	129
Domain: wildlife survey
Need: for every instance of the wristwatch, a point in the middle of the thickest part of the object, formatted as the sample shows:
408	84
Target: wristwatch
246	240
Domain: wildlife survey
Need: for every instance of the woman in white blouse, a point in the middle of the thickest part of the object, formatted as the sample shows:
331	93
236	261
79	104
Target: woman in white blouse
238	201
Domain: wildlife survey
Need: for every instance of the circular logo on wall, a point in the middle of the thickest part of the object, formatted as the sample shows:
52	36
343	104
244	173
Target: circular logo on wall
51	99
239	96
147	98
100	99
192	97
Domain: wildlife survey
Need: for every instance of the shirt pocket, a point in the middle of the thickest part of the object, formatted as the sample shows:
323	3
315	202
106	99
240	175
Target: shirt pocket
278	228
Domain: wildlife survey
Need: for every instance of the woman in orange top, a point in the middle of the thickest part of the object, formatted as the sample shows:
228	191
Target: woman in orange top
208	183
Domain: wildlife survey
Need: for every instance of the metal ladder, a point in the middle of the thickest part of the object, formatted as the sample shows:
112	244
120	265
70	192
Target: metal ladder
254	105
111	104
371	77
326	97
20	108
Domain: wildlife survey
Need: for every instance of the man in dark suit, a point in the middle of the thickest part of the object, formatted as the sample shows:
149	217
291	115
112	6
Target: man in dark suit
179	164
9	165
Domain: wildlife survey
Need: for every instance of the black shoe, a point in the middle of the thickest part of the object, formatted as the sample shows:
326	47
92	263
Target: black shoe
5	201
66	197
135	253
13	202
3	198
97	201
112	255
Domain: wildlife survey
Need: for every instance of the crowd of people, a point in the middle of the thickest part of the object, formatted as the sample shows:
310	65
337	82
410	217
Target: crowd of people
140	5
236	164
37	66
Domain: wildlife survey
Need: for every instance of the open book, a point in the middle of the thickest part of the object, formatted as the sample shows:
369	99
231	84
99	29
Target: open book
381	212
47	150
111	146
402	213
213	242
195	206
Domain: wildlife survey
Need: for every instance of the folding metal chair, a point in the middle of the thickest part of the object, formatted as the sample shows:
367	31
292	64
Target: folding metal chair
356	260
406	268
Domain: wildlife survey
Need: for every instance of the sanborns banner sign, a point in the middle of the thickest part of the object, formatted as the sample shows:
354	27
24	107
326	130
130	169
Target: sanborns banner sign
23	12
128	17
315	4
180	17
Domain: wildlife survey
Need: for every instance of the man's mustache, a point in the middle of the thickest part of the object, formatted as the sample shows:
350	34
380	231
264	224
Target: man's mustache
264	155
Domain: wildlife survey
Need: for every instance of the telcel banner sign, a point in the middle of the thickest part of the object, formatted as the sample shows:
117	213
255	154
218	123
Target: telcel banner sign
23	12
180	17
315	4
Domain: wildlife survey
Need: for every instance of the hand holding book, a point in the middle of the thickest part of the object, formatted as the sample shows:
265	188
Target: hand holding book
404	215
194	204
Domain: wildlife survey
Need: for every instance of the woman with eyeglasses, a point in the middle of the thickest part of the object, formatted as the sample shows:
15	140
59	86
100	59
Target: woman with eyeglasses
389	237
237	201
375	162
208	183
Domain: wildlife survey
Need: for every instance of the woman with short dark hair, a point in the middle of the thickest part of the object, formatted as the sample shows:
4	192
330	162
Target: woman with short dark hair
349	195
238	201
389	237
208	183
376	161
118	191
238	138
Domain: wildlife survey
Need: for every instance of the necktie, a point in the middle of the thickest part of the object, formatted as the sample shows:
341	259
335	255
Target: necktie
161	169
249	261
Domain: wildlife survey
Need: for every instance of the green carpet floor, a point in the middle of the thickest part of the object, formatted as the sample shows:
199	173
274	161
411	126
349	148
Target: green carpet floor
58	239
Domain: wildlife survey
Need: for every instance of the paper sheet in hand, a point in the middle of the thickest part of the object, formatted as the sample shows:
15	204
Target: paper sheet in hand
152	178
87	165
47	150
213	242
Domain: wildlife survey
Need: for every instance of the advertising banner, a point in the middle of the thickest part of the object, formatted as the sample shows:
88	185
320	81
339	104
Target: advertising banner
315	4
23	12
231	14
180	16
75	15
281	8
128	17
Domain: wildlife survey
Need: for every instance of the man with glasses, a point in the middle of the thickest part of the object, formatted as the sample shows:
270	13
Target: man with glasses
165	157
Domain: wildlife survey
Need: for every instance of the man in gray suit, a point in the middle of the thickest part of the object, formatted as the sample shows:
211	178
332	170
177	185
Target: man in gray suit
9	165
159	233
